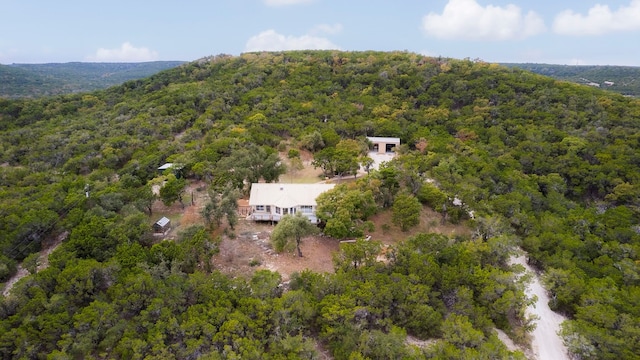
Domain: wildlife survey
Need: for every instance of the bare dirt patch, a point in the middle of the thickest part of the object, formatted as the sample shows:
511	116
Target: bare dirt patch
430	222
247	248
251	250
307	175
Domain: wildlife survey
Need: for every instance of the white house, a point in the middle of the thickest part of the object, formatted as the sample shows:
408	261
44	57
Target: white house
270	202
383	145
382	149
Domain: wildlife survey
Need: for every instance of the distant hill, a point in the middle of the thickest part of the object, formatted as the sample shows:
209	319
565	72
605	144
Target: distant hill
37	80
621	79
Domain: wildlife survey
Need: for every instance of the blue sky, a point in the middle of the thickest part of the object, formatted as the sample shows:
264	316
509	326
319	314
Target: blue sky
558	32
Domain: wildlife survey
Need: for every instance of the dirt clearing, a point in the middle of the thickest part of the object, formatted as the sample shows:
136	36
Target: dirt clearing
251	250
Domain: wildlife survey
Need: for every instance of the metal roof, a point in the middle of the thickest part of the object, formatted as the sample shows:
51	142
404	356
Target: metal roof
387	140
165	166
163	222
286	195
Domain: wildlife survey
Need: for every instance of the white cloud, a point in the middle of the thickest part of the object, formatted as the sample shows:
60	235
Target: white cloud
327	29
126	53
466	19
270	40
286	2
599	20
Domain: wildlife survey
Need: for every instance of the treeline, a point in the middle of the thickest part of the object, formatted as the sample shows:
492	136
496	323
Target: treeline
548	165
157	303
621	79
38	80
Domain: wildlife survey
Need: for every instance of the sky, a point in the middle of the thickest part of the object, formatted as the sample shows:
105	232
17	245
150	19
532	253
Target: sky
571	32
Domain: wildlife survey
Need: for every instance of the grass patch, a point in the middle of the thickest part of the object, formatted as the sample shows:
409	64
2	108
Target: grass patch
430	222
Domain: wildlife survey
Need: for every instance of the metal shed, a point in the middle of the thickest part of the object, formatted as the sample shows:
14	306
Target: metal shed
162	225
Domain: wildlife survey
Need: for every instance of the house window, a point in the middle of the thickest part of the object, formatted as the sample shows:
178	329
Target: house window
269	208
293	210
285	211
306	209
277	210
259	207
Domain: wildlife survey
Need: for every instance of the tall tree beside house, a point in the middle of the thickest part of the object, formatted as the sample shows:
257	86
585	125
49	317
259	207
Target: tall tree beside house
289	228
347	155
249	165
342	159
345	210
221	204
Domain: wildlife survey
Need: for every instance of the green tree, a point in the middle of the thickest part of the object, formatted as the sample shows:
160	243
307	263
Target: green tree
389	183
31	262
346	156
459	331
356	255
289	228
145	199
312	141
197	248
345	211
220	205
325	160
249	165
7	268
366	162
172	190
406	211
433	197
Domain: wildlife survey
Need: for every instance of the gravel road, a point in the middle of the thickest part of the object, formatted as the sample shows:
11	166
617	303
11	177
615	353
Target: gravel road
545	341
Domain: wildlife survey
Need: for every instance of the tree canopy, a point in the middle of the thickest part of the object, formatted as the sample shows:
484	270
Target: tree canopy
292	228
521	158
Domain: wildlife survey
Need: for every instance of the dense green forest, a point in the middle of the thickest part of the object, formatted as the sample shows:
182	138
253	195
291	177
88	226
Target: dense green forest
621	79
545	165
37	80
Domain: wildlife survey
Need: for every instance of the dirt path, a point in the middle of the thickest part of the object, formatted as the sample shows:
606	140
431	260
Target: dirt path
545	341
43	262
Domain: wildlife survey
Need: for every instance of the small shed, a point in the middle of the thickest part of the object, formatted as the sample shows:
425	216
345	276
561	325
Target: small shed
162	225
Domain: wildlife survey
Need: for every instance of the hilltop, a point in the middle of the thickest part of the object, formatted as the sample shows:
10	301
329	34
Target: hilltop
621	79
509	159
36	80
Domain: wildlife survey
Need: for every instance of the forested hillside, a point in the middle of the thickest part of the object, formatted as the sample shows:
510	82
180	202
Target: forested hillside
37	80
621	79
546	165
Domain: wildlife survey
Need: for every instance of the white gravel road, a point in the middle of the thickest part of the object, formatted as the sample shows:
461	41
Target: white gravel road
545	341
